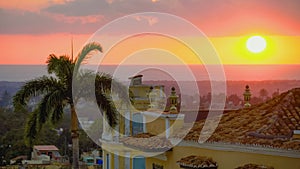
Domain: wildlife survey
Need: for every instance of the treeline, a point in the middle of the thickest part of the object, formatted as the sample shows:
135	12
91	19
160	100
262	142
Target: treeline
12	143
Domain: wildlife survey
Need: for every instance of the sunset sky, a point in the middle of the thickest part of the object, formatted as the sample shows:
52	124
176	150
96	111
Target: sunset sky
31	30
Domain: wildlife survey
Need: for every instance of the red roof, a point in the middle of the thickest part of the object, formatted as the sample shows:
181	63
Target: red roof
147	142
197	162
270	124
46	147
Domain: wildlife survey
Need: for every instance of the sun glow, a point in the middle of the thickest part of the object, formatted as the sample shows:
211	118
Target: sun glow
256	44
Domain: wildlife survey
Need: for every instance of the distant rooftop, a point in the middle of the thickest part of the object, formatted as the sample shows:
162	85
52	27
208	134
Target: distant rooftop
45	147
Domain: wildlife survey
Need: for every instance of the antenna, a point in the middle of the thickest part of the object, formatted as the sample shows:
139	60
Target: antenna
72	48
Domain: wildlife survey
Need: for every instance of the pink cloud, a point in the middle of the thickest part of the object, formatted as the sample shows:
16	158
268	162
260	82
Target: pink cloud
30	5
150	19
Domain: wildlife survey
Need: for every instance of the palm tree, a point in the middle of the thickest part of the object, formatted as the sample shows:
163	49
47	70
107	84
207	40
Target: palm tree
56	92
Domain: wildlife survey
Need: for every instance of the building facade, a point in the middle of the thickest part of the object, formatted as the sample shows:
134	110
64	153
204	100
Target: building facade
148	137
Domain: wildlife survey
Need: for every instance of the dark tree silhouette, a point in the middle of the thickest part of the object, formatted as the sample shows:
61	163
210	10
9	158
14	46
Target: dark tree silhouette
56	92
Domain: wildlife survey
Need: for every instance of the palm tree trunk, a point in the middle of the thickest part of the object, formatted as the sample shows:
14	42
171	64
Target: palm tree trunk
75	138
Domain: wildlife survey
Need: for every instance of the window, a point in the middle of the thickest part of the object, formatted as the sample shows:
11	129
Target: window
107	161
139	162
157	166
137	124
116	160
127	123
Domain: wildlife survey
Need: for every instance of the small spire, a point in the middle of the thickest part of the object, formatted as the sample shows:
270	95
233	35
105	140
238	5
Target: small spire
247	97
173	100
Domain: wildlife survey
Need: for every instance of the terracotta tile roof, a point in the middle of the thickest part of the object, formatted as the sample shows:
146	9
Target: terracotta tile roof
197	162
143	135
270	124
254	166
147	142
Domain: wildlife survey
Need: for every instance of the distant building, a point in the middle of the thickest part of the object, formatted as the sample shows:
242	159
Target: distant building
49	150
18	159
85	122
139	93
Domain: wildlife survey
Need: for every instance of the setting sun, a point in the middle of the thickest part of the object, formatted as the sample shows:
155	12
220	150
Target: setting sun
256	44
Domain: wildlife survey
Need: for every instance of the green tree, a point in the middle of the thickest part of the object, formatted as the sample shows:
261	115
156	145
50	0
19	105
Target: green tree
11	134
56	92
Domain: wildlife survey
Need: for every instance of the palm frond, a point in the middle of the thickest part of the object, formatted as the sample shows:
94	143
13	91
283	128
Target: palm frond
106	105
57	101
43	110
82	85
103	81
57	114
51	105
108	85
87	81
102	90
31	128
61	66
83	55
34	88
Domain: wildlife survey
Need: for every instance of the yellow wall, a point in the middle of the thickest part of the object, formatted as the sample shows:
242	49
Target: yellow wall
175	124
231	160
225	159
157	126
140	91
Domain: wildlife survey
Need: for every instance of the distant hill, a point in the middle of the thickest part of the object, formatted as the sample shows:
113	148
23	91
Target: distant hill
233	87
10	87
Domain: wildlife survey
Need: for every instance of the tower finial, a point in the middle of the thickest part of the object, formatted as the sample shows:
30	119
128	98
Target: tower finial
247	97
174	101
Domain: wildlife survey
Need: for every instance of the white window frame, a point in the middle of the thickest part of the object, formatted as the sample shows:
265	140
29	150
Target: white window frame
107	161
116	160
127	160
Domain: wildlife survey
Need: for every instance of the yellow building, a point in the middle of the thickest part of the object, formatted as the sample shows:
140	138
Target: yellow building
150	138
146	116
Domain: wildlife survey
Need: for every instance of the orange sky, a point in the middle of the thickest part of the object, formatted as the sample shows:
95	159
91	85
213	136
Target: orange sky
34	49
31	30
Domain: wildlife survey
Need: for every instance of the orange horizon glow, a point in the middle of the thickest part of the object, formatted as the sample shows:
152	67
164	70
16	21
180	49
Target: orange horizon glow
34	49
